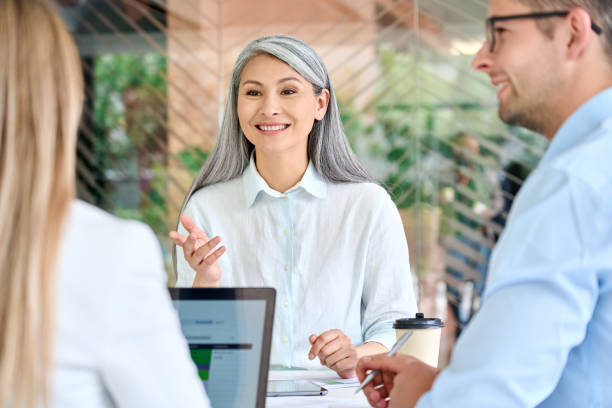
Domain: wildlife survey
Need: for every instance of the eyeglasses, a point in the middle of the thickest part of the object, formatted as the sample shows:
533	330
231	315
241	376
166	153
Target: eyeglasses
490	22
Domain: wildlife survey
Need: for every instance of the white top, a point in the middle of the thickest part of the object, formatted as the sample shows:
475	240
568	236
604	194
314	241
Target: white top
543	335
118	339
336	254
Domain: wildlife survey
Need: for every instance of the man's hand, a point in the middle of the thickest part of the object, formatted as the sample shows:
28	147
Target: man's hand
199	251
403	379
335	350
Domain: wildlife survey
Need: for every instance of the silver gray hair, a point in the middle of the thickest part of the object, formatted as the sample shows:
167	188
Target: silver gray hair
328	147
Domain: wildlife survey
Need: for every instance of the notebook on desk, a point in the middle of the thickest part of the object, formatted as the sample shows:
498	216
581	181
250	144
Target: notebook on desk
229	332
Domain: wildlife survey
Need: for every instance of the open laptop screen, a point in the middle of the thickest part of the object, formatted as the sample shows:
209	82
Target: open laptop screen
229	334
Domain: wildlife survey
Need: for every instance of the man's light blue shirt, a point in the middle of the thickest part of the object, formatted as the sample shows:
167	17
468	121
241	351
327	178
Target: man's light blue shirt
543	336
335	252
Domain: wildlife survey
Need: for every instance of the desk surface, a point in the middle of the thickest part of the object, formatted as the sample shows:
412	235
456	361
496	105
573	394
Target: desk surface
336	398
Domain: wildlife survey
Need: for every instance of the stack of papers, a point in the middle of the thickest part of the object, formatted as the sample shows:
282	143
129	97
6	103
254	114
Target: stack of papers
338	383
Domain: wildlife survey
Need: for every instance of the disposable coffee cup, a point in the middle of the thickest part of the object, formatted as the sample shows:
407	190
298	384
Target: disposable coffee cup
424	343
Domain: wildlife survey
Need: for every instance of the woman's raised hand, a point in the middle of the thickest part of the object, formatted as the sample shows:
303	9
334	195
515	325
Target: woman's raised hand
199	251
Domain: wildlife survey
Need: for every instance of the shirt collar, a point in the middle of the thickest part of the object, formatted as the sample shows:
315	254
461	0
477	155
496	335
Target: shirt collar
582	122
253	184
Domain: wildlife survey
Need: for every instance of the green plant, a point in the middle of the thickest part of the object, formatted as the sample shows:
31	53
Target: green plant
131	136
192	158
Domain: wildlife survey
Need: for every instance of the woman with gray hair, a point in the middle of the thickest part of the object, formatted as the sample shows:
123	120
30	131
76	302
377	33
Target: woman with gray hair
299	213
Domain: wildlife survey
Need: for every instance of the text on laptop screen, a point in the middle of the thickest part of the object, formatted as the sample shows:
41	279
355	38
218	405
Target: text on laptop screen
225	340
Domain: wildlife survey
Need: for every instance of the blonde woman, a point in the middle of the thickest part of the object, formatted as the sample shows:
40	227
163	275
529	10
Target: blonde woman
85	319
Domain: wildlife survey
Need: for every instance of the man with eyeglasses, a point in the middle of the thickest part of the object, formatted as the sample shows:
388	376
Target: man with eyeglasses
543	336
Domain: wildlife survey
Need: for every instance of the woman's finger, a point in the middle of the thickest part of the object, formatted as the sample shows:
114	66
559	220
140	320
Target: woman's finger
212	258
177	238
340	354
329	350
192	228
345	367
321	341
189	247
206	249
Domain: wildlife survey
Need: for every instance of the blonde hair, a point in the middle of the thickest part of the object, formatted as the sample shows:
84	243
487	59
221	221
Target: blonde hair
40	105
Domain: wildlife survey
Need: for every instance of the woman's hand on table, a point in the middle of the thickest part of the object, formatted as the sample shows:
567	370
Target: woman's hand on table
200	253
335	350
401	378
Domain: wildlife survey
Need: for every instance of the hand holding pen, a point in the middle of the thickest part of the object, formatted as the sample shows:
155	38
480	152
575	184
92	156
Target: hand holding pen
397	380
396	347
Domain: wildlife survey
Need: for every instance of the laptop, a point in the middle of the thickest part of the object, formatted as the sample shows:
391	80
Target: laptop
229	332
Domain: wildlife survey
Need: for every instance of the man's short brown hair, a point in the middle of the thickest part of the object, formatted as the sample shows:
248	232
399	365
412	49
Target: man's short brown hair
599	10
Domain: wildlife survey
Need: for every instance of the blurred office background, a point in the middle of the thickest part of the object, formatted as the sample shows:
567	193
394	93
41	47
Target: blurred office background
420	118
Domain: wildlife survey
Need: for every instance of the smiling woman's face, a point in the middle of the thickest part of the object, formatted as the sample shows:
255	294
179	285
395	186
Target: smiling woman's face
277	107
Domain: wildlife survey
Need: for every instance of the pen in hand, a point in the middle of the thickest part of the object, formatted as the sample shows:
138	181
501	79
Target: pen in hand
398	345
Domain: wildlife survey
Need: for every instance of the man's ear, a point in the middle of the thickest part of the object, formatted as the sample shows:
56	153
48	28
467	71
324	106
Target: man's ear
580	34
